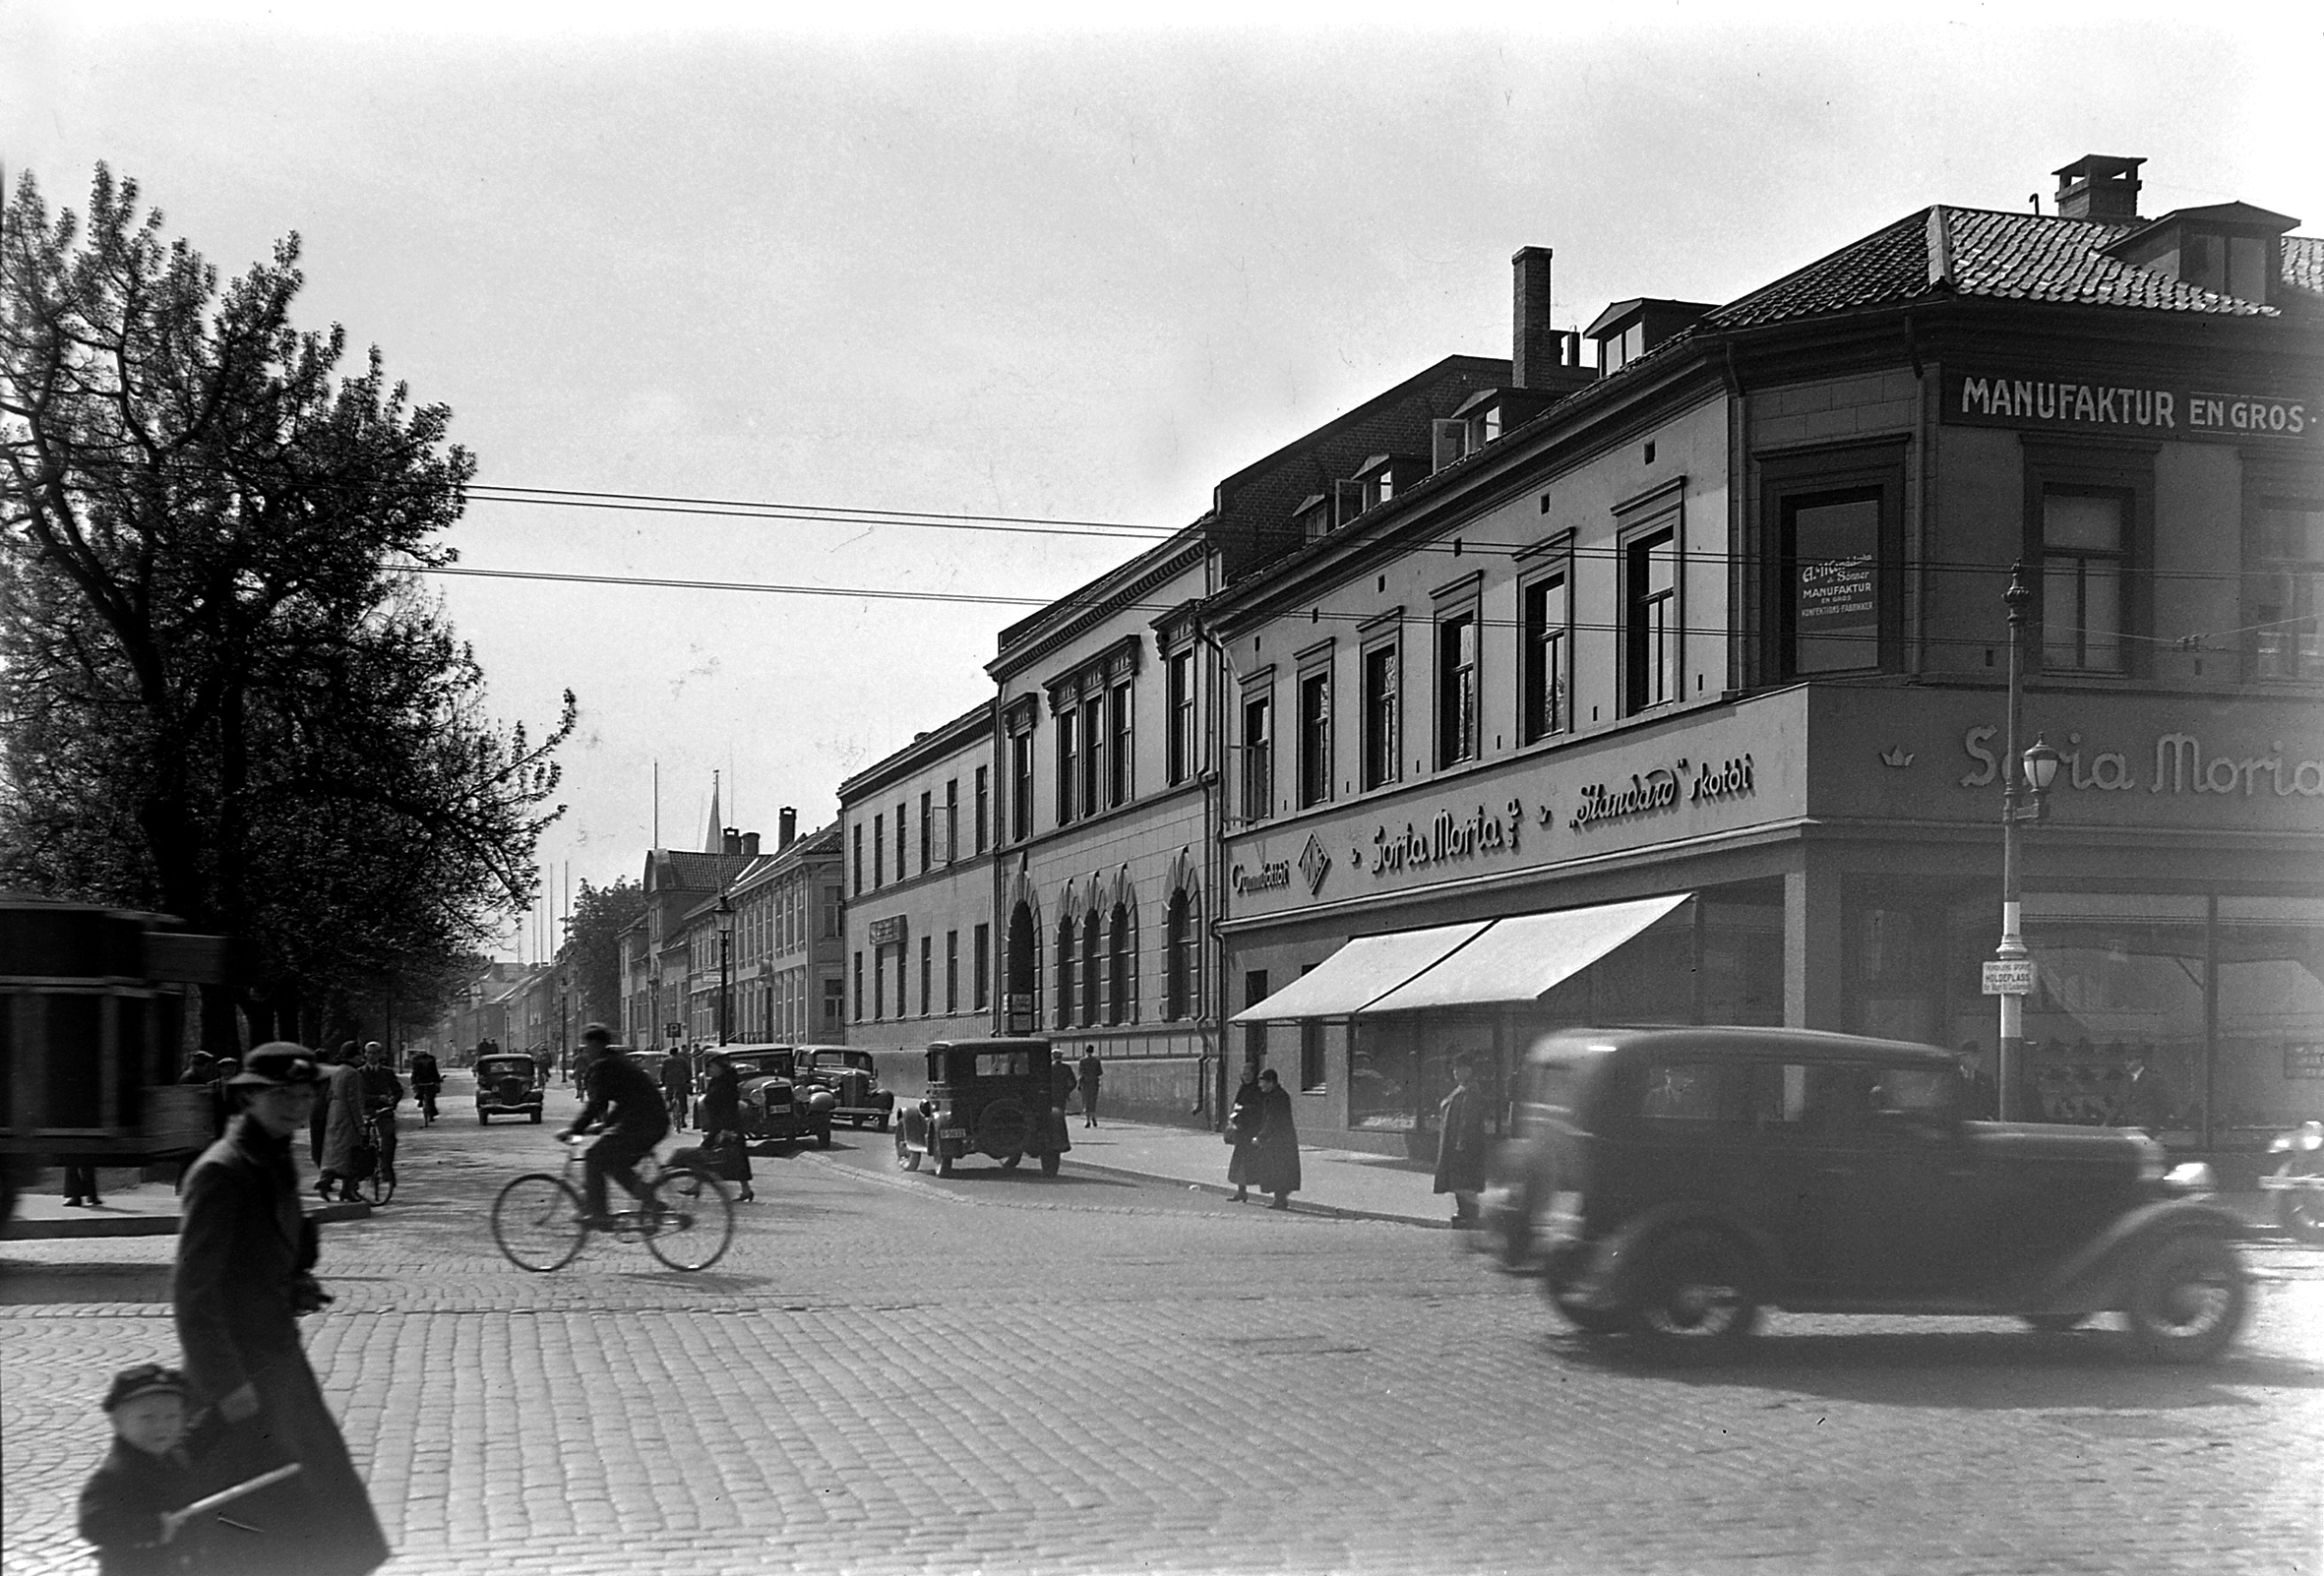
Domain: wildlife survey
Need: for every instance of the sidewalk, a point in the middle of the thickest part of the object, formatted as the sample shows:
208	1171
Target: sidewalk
134	1209
1333	1182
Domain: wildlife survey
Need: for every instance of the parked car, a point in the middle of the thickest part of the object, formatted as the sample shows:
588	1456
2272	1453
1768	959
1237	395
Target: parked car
776	1105
508	1082
1669	1182
853	1077
1000	1097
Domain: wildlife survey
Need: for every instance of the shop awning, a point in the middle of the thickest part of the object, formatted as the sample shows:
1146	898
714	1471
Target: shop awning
1524	957
1343	983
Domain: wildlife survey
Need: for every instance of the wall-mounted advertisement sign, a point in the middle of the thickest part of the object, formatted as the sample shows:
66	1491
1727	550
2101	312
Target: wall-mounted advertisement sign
1835	593
2068	401
888	931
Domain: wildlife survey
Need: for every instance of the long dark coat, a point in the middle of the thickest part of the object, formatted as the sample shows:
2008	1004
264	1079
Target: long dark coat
1272	1158
244	1251
1241	1132
1461	1144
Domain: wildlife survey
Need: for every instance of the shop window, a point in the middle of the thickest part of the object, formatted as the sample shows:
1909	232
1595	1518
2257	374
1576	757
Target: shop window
1383	1070
1181	685
1259	755
1456	688
1383	733
2270	1055
1314	736
1651	644
2284	594
1255	1035
1544	680
2084	557
2121	984
1311	1056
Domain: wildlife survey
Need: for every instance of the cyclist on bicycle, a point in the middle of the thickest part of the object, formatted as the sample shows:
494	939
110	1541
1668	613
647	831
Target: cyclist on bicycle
382	1092
427	1080
626	1106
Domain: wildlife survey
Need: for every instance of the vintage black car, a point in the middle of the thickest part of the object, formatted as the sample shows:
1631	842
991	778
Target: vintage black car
776	1105
508	1083
853	1078
1669	1182
1001	1098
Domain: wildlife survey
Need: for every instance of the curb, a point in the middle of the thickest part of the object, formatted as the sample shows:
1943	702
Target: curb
1298	1206
156	1225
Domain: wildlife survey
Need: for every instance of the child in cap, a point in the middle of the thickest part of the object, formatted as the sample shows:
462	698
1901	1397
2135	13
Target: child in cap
146	1474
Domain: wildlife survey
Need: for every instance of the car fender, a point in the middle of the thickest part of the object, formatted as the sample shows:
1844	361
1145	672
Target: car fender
820	1102
913	1126
2092	1279
1609	1277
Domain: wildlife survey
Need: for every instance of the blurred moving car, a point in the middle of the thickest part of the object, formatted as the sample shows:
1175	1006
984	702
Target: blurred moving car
853	1078
2298	1182
1669	1182
508	1083
776	1105
1001	1098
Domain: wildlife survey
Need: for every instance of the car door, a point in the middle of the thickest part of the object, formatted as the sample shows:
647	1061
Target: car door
1885	1173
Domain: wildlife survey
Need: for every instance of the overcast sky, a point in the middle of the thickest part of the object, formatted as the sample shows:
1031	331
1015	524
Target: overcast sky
1010	269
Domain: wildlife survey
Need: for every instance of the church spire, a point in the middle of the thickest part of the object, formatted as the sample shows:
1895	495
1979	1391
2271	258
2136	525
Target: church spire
714	840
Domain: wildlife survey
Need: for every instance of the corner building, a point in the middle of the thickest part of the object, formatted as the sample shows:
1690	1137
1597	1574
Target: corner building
1682	698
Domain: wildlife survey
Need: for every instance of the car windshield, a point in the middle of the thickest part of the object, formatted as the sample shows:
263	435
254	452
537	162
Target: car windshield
758	1064
861	1060
505	1064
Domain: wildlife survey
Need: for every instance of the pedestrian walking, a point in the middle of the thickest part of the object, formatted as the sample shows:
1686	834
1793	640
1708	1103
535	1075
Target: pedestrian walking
721	1112
1274	1152
127	1505
1243	1121
317	1135
245	1260
80	1181
1094	1073
339	1122
678	1087
427	1081
1461	1141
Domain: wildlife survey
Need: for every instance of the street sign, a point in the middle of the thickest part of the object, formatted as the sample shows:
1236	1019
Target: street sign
2009	976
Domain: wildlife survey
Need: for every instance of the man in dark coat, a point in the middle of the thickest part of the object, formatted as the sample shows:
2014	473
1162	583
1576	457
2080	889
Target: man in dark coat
1275	1153
1461	1141
625	1102
245	1256
1094	1073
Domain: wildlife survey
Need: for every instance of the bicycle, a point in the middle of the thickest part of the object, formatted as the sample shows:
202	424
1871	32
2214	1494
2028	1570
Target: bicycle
379	1131
683	1216
425	1093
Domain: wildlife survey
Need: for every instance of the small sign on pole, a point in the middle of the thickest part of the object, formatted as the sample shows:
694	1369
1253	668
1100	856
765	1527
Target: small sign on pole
2013	976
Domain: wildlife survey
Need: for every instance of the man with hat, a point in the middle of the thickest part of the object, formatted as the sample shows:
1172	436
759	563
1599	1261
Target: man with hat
630	1109
244	1274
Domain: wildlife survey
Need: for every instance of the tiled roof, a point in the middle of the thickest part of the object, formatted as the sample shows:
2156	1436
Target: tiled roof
1978	252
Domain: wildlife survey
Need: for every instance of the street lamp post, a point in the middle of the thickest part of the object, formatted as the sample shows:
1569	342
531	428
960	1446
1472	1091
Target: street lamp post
2025	796
725	957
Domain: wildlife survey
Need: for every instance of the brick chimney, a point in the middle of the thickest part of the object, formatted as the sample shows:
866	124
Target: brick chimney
786	829
750	845
2099	186
1532	346
731	841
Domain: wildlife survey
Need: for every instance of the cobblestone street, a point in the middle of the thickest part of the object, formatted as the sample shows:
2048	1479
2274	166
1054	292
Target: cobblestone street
1007	1372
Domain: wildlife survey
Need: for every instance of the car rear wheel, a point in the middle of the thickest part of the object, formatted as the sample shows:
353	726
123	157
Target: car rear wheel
1012	1162
2187	1300
1694	1289
943	1164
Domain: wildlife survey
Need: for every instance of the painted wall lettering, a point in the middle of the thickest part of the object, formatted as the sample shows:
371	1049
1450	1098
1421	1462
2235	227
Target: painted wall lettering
1447	837
2180	767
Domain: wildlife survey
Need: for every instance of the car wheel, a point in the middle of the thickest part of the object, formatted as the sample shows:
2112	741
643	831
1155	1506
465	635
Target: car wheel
2187	1298
2054	1324
1012	1162
1694	1287
1049	1162
2299	1212
906	1157
943	1164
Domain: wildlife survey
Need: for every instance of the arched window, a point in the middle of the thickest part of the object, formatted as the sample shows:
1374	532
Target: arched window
1122	986
1179	946
1093	971
1065	972
1024	966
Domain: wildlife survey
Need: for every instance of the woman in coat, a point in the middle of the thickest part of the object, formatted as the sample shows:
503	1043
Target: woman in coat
719	1111
1273	1160
1241	1129
245	1253
1461	1142
338	1101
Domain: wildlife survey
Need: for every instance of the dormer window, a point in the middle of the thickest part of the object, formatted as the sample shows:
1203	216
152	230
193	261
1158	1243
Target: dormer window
2231	248
1485	426
1627	330
1312	517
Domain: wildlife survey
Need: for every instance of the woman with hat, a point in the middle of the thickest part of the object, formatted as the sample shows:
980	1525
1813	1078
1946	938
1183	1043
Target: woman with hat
245	1256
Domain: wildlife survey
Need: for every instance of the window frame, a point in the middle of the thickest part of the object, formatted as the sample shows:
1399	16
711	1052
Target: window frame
2087	468
1534	638
1025	770
1382	707
1640	646
2273	582
1121	714
1065	718
1255	781
1313	767
1178	686
1459	745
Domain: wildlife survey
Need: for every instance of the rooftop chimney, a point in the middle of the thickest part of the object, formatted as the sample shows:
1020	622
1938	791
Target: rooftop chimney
750	845
732	839
786	829
1532	347
2099	186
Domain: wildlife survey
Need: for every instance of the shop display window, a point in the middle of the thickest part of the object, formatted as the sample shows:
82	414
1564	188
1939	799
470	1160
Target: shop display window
2115	1027
2270	1072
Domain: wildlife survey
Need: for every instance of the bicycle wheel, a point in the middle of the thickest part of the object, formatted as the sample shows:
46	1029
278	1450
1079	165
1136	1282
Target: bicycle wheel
380	1186
537	1222
691	1218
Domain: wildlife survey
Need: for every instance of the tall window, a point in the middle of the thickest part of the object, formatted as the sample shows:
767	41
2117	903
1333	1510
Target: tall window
927	831
1121	952
1259	756
859	859
899	843
1178	988
951	820
859	987
1314	736
1094	755
1545	684
1456	689
926	974
878	850
984	804
834	909
952	972
1092	967
1020	785
979	967
832	991
1182	715
1384	716
1066	951
1832	561
2083	534
878	983
1069	762
1650	619
2288	593
1311	1055
1118	709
